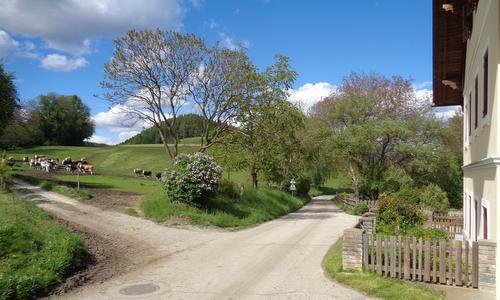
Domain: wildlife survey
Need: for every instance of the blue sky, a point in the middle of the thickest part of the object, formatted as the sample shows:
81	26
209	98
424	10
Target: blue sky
62	47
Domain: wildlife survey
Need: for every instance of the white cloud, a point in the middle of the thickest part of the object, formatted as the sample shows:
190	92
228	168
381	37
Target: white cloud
117	120
10	46
7	44
446	112
99	139
71	25
422	85
57	62
227	41
310	93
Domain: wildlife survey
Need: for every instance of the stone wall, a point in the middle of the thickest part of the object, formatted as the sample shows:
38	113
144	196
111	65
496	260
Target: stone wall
368	222
353	249
487	264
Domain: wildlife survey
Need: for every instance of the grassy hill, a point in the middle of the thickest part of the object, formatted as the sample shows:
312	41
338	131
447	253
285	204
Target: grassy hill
111	160
113	168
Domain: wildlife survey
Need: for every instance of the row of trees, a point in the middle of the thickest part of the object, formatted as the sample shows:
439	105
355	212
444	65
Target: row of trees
49	120
373	128
376	130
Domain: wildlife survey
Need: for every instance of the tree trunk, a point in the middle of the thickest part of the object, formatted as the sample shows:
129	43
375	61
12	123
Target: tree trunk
165	142
255	182
355	182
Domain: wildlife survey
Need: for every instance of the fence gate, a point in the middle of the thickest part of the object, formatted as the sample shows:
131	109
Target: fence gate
426	260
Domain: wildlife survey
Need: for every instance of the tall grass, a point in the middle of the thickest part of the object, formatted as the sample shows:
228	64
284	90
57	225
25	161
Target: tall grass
35	252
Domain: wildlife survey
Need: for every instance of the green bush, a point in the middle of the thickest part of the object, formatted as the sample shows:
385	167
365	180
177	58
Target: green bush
35	252
435	198
433	233
399	212
360	209
192	178
303	185
229	188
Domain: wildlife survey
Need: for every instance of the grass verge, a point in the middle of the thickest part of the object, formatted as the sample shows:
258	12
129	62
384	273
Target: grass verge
373	284
35	252
81	195
256	206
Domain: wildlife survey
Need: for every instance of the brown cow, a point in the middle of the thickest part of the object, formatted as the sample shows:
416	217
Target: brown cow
86	168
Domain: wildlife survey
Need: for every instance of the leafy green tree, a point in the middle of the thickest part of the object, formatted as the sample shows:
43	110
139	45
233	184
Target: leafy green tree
435	198
23	130
64	120
269	126
8	97
376	125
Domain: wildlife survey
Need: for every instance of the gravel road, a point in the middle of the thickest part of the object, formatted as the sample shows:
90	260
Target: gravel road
280	259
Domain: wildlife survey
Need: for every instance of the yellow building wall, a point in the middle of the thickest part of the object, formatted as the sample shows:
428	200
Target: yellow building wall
482	148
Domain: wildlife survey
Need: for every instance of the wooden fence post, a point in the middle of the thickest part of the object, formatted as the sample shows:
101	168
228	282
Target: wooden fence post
466	264
372	265
379	255
450	264
386	256
420	268
406	259
442	261
427	261
434	262
393	256
458	265
414	258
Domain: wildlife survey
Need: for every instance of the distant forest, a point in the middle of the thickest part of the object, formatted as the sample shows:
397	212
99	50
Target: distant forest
187	126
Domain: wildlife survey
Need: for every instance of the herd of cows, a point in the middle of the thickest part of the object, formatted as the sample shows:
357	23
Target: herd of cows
49	164
81	166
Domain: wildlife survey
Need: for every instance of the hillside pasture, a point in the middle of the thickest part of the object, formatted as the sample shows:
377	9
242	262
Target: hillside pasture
115	186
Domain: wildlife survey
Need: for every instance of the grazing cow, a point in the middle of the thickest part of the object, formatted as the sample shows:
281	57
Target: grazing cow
158	176
138	172
86	168
146	173
46	165
10	161
26	159
67	161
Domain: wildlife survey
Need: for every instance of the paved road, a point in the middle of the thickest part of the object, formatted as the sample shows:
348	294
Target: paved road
280	259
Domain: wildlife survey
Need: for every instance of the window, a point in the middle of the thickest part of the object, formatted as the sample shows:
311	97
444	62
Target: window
476	100
470	114
475	217
470	217
485	223
485	84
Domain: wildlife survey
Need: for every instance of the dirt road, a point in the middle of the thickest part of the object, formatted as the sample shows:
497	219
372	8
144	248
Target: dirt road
280	259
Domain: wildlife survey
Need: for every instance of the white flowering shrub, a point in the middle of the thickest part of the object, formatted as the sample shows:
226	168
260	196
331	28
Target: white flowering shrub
191	177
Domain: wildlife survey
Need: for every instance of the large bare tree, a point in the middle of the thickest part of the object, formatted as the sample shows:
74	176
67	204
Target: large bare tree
148	78
219	91
153	74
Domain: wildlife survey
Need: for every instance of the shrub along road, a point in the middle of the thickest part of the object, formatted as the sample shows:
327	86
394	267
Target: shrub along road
278	259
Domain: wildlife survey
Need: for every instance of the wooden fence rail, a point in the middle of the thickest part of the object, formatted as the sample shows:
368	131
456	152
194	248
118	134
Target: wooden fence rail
452	223
351	202
444	262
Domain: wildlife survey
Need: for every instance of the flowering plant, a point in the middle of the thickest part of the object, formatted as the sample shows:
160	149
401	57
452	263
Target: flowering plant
191	177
